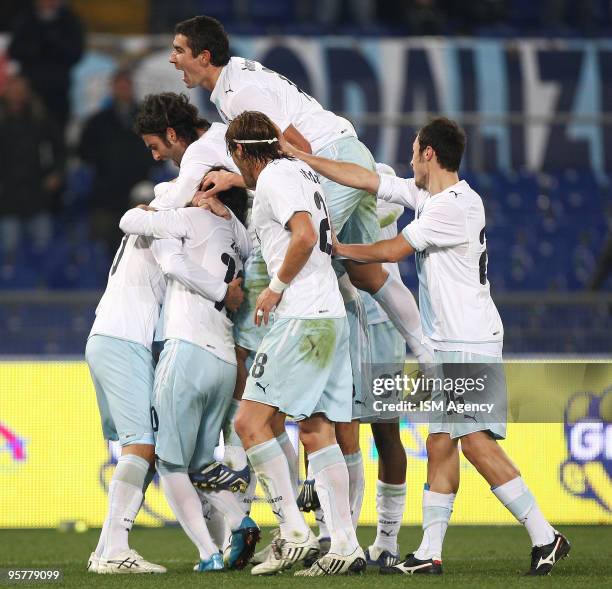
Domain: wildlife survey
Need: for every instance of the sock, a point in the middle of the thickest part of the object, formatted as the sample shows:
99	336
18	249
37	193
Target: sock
437	509
124	500
234	455
186	506
292	458
270	465
399	304
354	464
390	503
518	500
246	499
215	521
319	515
227	503
332	485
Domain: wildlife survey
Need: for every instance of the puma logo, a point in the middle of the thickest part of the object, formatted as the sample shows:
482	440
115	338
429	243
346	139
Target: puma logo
258	384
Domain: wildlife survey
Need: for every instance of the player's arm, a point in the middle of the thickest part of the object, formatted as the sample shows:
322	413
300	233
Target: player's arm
303	240
293	136
218	181
176	264
387	250
149	222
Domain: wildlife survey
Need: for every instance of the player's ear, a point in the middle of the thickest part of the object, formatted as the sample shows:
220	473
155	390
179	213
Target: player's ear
205	57
170	135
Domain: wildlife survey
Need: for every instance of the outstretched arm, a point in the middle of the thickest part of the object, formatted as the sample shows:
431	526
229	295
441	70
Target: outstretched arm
387	250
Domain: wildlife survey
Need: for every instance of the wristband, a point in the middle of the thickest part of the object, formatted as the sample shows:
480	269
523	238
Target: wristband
277	285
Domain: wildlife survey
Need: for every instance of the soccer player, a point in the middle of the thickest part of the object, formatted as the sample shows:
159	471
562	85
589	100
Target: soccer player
302	366
461	323
201	52
118	349
196	373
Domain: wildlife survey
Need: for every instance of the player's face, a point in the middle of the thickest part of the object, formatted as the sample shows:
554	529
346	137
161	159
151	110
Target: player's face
245	167
419	166
184	61
161	150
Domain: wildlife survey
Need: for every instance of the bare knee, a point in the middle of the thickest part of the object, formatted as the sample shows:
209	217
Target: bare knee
243	426
145	451
367	277
347	435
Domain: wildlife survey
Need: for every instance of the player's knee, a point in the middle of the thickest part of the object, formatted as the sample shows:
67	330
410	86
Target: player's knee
439	446
368	277
244	428
472	448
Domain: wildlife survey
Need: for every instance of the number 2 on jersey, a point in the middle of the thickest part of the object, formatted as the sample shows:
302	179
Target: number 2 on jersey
324	226
229	275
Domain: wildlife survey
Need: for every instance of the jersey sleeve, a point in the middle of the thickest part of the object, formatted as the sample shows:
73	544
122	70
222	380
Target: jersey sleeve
254	98
159	224
176	264
402	191
287	199
442	224
243	239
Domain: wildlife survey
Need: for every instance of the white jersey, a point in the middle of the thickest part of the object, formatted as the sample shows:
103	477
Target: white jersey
286	187
211	243
130	306
388	214
448	234
247	85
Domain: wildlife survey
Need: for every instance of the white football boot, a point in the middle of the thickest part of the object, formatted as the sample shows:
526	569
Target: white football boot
335	564
285	553
93	563
264	553
126	562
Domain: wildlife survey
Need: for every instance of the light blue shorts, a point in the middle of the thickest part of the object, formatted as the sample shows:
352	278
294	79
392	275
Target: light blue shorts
192	393
246	334
387	346
122	374
464	365
352	211
303	367
359	347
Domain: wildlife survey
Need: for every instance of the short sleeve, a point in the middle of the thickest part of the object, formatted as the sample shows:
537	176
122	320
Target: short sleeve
254	98
442	224
402	191
286	199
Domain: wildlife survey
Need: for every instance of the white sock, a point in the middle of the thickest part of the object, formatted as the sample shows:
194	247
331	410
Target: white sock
399	304
246	499
234	455
390	504
228	504
292	458
332	485
215	522
319	515
270	465
437	509
354	464
518	500
124	500
186	506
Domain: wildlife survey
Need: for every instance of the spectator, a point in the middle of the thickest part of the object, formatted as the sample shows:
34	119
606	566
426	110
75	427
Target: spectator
47	42
118	157
31	172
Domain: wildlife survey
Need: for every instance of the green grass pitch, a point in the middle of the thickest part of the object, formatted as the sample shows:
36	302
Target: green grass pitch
474	557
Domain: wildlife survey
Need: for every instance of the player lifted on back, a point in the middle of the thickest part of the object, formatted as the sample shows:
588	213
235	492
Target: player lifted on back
464	328
302	366
201	52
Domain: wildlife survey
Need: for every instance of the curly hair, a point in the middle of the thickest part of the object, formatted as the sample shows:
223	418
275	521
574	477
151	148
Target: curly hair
254	125
158	112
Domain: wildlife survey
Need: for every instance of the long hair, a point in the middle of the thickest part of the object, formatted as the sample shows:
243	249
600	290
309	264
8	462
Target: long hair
168	109
254	126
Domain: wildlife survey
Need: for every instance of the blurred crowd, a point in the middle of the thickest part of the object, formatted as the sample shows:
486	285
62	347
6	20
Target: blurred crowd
47	40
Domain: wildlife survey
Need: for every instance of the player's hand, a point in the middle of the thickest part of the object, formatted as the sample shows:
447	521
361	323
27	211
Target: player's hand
336	245
286	147
266	302
212	204
218	181
146	208
234	295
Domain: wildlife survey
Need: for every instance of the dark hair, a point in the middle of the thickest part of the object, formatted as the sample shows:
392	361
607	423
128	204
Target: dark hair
235	198
205	33
447	139
254	125
160	111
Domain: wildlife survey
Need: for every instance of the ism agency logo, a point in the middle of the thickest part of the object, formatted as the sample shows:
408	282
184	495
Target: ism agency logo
587	472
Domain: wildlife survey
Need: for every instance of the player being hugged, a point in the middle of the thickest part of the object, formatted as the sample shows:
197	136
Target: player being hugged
302	367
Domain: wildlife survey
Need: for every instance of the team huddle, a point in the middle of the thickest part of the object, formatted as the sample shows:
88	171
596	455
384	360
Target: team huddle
266	273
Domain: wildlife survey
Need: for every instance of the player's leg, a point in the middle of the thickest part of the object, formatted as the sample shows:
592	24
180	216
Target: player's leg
490	460
123	377
178	407
347	435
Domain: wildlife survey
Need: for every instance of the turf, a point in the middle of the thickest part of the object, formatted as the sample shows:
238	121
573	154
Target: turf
475	556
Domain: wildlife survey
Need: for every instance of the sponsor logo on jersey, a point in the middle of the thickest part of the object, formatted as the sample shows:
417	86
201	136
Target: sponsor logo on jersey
587	472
